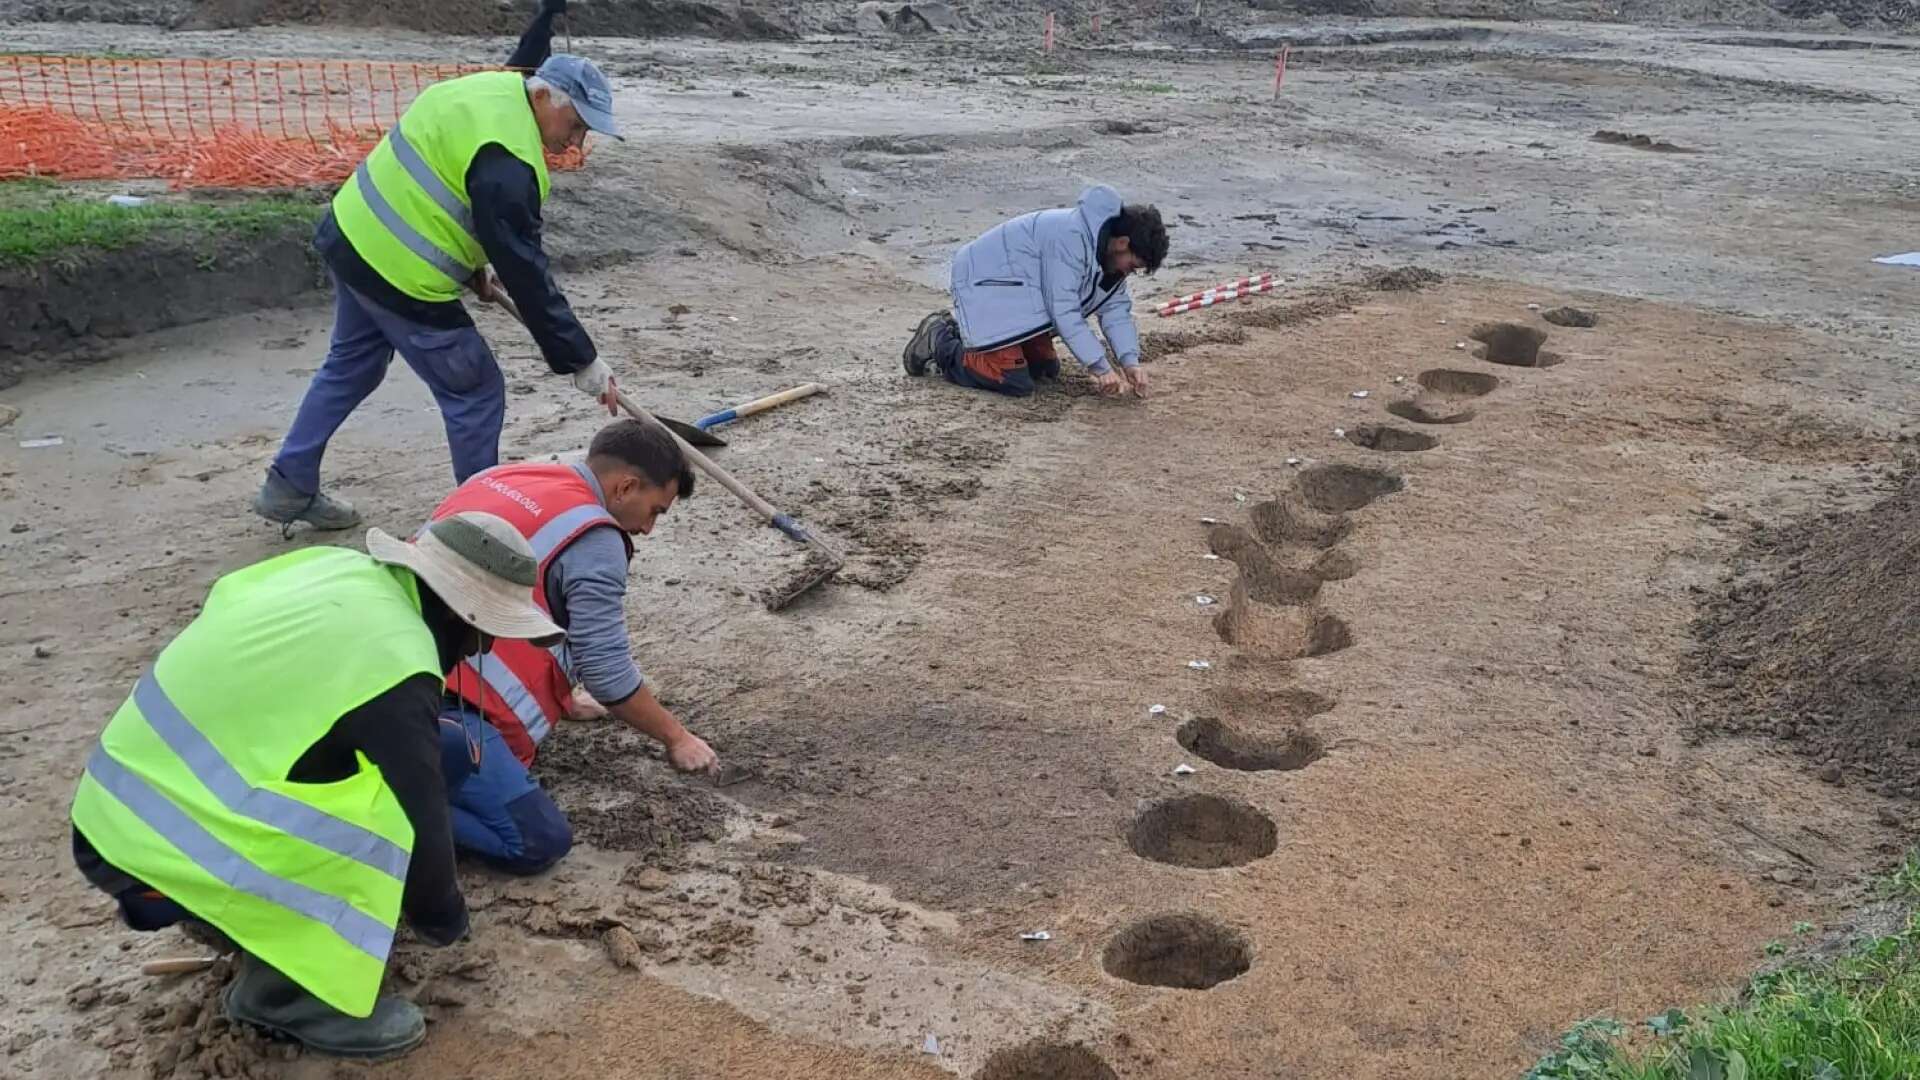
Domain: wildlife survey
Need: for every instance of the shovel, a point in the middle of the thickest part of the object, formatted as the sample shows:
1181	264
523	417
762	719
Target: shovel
697	436
823	561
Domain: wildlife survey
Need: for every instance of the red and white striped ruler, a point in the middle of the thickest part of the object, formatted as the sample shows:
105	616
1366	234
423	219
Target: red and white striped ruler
1232	290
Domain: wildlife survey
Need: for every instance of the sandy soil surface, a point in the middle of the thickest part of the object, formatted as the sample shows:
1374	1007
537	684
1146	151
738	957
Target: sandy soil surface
1444	796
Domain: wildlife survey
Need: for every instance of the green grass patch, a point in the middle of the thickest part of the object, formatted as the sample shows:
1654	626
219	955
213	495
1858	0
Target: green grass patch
39	224
1854	1018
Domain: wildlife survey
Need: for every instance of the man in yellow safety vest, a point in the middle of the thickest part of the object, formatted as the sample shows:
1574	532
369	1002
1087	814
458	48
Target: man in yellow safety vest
455	187
276	775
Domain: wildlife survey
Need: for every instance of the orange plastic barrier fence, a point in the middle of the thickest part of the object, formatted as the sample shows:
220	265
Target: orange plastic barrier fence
204	123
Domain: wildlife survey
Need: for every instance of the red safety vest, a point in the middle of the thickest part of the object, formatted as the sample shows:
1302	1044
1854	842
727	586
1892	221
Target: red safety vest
521	688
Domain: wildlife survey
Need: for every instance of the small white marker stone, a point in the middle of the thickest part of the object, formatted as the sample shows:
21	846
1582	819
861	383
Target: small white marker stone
1459	344
1533	307
1211	557
1035	935
1200	665
1183	769
931	1046
1398	379
1294	461
1203	600
1209	521
1339	433
1156	710
1239	496
1360	393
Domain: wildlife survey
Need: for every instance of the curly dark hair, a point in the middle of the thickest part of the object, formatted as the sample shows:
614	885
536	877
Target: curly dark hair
1146	234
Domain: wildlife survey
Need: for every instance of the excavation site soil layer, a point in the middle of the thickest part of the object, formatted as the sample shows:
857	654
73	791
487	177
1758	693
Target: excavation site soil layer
1445	767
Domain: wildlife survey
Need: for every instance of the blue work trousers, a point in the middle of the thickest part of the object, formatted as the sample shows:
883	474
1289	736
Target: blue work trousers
500	812
455	364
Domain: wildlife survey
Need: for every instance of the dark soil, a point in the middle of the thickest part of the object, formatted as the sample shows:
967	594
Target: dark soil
622	18
1457	383
1231	748
1390	439
1513	345
73	305
1580	318
619	797
1045	1061
1814	643
1202	832
1429	414
1338	489
1287	521
1185	952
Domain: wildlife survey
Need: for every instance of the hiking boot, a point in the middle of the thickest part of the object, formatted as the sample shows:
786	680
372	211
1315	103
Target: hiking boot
920	349
280	503
264	998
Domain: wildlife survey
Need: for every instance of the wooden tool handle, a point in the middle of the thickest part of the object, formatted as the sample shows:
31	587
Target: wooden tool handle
178	965
781	398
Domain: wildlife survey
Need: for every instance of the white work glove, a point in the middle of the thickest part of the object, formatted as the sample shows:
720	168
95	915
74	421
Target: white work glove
596	381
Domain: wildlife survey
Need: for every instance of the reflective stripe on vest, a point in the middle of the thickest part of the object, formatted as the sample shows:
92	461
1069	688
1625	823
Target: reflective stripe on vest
521	688
358	929
405	209
514	693
452	268
269	808
564	528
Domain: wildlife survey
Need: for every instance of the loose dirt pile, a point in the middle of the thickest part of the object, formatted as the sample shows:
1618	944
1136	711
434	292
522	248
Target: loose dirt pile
1814	643
621	18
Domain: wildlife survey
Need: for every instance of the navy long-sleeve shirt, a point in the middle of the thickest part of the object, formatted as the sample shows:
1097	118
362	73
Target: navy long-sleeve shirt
505	196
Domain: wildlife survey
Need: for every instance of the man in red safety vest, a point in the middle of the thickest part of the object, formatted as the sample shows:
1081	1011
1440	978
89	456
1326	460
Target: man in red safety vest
579	518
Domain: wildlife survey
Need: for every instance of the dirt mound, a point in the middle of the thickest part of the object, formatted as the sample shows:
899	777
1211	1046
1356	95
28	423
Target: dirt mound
621	18
1813	644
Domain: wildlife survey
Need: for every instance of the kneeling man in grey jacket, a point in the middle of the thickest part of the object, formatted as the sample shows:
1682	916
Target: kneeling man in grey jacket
1036	276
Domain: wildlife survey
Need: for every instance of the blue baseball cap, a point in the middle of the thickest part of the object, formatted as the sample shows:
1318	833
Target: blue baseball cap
592	95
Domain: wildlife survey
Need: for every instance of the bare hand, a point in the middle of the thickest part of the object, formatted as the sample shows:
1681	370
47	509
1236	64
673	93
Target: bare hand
611	399
582	706
692	754
486	285
1138	377
1107	383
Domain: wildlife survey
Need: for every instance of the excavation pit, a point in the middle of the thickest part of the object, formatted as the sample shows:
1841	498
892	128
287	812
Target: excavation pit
1427	414
1282	633
1334	566
1264	581
1184	952
1451	383
1232	748
1202	832
1231	542
1340	489
1513	345
1286	521
1386	439
1042	1060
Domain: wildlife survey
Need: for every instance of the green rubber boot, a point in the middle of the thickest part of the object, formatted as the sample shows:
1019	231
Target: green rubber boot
264	998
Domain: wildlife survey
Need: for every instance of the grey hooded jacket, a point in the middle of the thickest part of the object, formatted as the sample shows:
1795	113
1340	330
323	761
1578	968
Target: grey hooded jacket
1040	273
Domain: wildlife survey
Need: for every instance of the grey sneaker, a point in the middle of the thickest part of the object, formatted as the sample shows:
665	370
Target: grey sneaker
278	502
919	350
264	998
